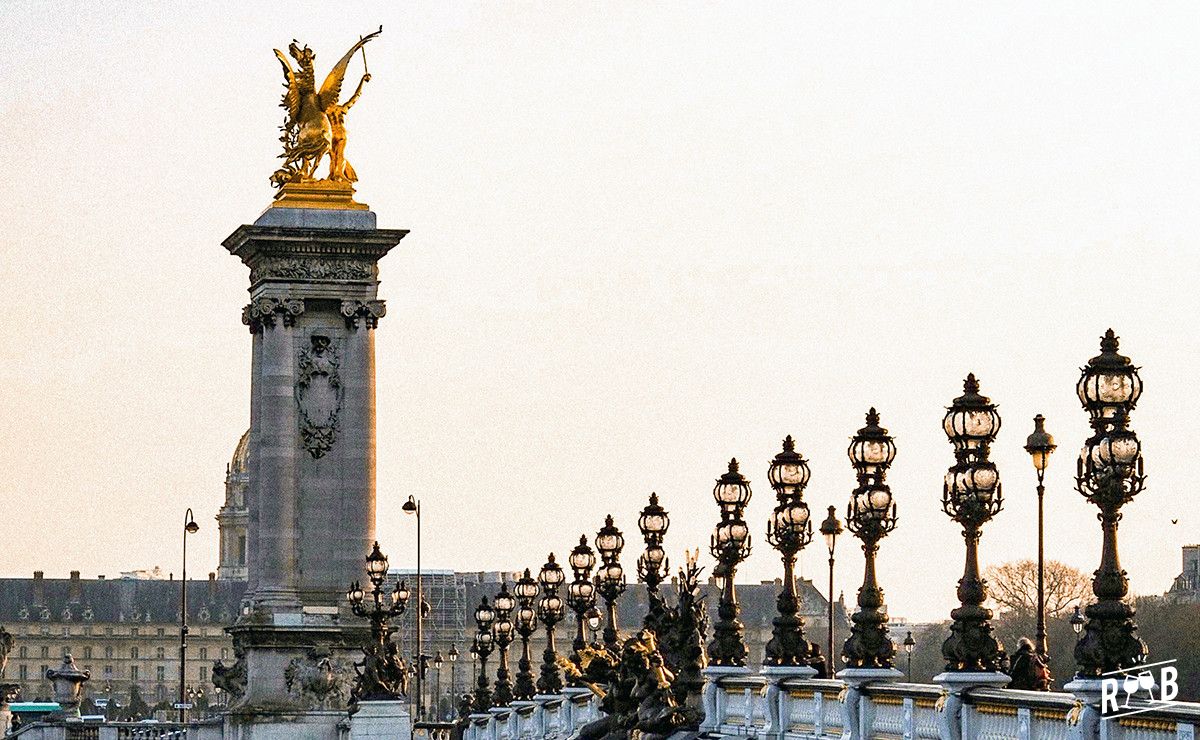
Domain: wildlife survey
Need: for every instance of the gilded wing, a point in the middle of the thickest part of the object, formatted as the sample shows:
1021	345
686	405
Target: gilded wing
291	99
332	88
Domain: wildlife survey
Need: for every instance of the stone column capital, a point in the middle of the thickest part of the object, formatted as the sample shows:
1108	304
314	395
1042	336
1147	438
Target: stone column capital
262	312
367	312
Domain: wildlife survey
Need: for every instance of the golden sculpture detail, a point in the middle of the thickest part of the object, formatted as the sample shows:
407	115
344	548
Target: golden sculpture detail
315	127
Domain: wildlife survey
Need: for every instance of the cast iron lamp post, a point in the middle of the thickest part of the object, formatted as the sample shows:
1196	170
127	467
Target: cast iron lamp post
610	580
1077	621
909	645
189	527
581	593
1039	445
413	506
550	612
972	495
485	641
652	564
870	516
383	676
1109	475
453	655
830	529
789	530
437	686
526	590
504	603
730	545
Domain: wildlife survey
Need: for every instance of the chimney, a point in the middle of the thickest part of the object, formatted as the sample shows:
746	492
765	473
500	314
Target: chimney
75	592
212	586
39	588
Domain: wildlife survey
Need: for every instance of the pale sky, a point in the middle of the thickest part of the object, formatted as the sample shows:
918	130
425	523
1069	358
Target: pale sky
645	238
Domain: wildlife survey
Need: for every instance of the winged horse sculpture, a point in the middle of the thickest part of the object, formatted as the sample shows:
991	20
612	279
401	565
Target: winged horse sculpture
315	124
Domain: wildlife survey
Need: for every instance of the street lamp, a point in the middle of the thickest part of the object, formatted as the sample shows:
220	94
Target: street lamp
504	604
870	516
526	590
189	527
971	496
485	617
382	678
413	506
438	660
909	645
1039	445
1077	621
610	580
652	564
581	593
550	612
789	530
830	529
453	655
1109	474
730	545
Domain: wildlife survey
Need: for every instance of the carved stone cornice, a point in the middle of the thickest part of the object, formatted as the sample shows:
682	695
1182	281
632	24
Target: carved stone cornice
312	269
369	312
263	312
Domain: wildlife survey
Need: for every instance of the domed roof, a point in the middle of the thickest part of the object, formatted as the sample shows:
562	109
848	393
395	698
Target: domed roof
239	464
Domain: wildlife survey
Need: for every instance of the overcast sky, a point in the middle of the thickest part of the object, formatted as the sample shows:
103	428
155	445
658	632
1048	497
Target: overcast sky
645	238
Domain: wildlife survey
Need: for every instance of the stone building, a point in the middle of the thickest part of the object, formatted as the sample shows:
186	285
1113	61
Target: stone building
234	516
1186	588
125	631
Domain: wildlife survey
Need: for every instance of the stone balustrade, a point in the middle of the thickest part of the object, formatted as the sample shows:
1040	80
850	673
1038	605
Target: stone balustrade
770	707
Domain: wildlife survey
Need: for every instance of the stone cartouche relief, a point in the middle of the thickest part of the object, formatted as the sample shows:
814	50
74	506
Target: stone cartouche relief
318	394
263	312
367	312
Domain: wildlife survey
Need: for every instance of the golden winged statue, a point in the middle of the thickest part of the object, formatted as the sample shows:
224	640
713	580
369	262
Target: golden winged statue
316	121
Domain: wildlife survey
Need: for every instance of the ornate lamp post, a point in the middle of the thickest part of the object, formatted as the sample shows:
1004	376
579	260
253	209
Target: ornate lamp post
1039	445
971	495
504	604
189	527
526	590
870	517
909	645
581	593
789	530
413	506
550	612
437	686
485	641
453	655
1077	621
383	674
830	529
652	564
730	545
1109	475
610	580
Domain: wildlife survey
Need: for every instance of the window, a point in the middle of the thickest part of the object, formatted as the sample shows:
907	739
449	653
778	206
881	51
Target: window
133	673
241	549
133	653
108	671
87	653
203	673
161	632
203	653
23	652
87	631
24	671
159	653
66	651
133	631
45	652
161	672
66	631
108	651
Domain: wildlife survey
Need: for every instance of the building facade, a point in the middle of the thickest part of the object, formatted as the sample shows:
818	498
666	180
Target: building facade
234	516
1186	588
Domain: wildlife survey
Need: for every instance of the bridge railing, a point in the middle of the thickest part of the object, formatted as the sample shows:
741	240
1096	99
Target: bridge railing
545	717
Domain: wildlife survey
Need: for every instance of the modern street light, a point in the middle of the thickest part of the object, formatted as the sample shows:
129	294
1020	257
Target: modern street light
383	676
1039	445
550	612
581	593
730	545
504	604
526	590
830	529
189	527
652	564
909	645
413	506
971	496
1109	474
789	530
437	686
485	617
871	515
610	580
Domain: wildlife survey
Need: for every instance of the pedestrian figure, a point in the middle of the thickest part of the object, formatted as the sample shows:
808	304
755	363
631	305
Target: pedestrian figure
1029	671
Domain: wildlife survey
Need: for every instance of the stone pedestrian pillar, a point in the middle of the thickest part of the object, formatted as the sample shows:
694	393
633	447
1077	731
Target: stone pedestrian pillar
1089	692
953	723
858	711
312	315
779	701
713	696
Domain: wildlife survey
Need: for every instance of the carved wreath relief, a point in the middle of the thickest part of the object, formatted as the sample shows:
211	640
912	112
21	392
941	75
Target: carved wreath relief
319	395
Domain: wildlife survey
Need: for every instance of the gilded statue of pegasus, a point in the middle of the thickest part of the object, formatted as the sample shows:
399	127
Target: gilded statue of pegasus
315	124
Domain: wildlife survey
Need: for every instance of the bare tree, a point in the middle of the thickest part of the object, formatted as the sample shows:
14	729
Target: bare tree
1013	587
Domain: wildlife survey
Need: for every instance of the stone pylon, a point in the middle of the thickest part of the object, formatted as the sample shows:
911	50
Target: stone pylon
311	499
